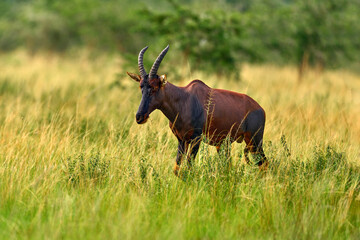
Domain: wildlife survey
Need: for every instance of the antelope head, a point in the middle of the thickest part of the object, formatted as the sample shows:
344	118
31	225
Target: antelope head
151	85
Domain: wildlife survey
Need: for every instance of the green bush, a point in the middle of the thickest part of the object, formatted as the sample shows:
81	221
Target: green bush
82	168
209	36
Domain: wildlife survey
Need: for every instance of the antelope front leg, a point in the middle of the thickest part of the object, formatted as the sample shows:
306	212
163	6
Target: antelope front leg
195	144
180	153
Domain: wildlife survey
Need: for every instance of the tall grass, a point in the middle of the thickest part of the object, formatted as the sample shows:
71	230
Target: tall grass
75	165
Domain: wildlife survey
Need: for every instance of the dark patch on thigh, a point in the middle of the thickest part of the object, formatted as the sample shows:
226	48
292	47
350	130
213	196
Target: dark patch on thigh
255	122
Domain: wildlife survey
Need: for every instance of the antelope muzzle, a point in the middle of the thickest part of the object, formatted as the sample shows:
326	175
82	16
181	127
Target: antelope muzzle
141	118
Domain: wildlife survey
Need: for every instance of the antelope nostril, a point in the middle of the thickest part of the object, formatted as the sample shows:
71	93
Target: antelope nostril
138	117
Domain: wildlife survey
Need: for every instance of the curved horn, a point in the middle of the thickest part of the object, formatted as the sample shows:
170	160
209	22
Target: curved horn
140	62
157	62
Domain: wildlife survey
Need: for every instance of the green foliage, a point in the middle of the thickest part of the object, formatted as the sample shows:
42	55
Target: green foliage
329	159
61	25
326	31
212	37
207	40
285	145
81	168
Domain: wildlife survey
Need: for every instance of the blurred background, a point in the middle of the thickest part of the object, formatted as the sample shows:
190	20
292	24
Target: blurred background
74	164
211	36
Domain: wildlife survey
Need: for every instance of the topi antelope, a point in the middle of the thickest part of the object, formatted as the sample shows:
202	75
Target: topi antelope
198	109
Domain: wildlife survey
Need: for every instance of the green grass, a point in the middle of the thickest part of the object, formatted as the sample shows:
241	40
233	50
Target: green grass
75	165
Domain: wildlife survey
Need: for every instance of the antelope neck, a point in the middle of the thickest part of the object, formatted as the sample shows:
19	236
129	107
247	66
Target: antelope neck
174	102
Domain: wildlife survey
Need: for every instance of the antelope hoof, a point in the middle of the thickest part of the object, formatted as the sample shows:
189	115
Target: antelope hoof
264	166
247	161
176	170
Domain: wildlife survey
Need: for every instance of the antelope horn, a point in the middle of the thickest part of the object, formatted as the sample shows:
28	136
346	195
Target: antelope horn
140	62
157	62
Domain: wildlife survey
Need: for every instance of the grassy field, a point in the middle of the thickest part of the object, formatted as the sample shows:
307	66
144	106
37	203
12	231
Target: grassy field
75	165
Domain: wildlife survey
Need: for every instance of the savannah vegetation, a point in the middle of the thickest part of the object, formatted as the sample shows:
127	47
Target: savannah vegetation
75	165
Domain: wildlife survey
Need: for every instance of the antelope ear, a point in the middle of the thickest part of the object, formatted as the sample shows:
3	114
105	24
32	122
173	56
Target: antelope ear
134	76
163	79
